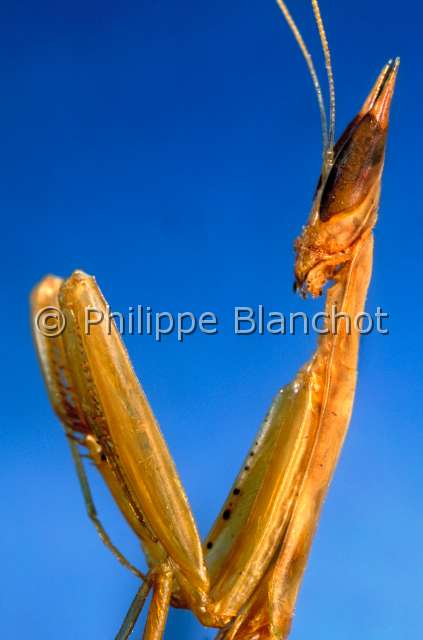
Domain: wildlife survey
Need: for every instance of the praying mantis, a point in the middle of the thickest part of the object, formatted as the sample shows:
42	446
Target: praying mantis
244	578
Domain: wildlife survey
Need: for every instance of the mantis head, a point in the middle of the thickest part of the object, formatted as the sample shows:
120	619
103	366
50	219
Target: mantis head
345	205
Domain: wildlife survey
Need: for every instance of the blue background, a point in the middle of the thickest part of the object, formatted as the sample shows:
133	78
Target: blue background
172	149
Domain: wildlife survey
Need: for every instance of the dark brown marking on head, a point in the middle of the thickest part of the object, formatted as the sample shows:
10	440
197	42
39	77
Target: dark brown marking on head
355	169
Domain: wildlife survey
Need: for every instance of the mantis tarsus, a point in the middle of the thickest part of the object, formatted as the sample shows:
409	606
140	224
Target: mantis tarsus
245	576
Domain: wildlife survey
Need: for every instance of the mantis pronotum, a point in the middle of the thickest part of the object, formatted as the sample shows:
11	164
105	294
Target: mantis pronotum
245	576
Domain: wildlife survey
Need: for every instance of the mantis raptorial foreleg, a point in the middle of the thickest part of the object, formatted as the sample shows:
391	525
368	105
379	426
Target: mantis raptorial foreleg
270	479
66	404
334	369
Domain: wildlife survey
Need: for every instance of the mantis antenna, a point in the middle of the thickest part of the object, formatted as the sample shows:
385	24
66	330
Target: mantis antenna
329	71
310	64
328	138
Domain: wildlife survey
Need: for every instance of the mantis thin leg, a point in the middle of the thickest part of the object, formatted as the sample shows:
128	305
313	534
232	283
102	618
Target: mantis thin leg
92	511
134	612
159	607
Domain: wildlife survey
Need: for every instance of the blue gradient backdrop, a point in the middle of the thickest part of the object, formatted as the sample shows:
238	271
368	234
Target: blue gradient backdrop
172	150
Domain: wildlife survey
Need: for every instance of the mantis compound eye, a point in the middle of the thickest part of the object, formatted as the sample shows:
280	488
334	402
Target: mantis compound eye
360	151
356	168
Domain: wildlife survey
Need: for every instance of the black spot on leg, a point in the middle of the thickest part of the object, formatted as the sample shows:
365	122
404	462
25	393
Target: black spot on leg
236	492
246	468
209	545
103	457
226	514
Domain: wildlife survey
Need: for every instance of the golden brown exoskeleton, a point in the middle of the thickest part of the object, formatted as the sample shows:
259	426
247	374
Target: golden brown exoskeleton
244	578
